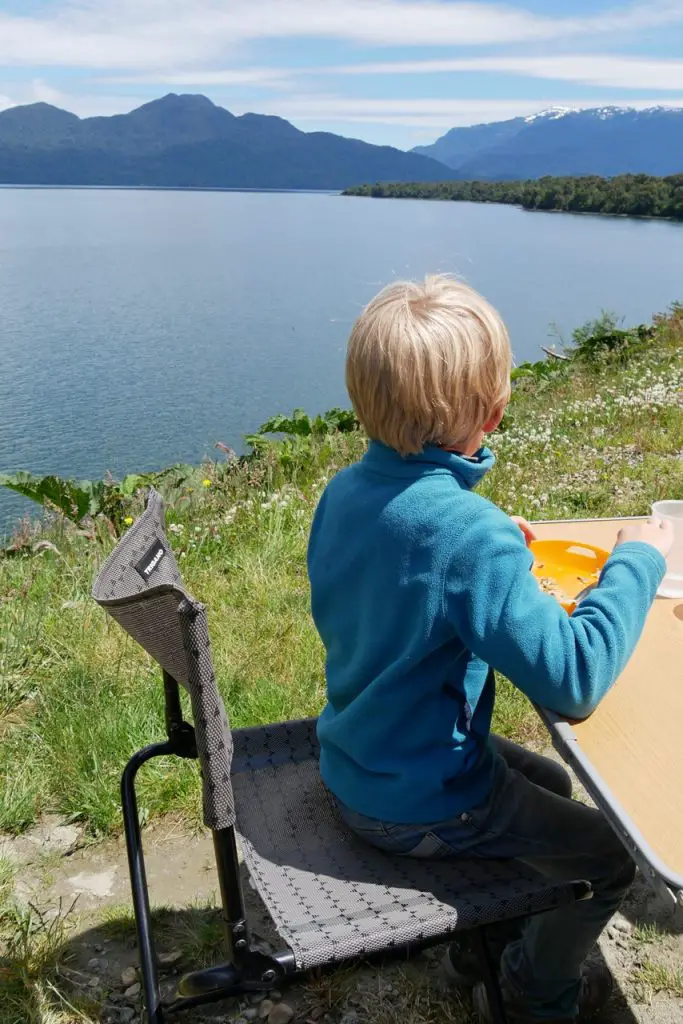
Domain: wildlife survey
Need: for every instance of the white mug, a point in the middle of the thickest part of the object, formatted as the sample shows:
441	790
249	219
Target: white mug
672	584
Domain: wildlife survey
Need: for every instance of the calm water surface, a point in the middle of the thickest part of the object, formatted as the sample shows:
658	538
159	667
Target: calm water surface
139	328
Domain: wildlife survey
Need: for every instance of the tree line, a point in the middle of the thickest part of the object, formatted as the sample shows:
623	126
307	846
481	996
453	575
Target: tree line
635	195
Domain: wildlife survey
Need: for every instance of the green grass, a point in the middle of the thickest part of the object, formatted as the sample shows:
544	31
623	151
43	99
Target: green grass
653	978
77	697
118	923
647	933
197	932
410	993
31	966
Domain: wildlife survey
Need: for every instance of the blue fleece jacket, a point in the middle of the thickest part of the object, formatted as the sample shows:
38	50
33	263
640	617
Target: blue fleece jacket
419	585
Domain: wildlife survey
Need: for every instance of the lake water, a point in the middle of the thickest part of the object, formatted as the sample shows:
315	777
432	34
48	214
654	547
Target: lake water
137	328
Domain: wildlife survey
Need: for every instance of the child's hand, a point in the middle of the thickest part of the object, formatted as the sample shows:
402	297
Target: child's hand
526	529
659	533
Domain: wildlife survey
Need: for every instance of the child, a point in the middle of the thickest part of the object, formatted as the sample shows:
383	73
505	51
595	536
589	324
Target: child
419	587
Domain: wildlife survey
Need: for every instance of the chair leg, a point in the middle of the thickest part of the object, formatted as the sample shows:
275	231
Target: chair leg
489	971
138	879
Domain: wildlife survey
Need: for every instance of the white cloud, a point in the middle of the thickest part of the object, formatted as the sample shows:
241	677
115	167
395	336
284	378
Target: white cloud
87	104
272	77
181	34
41	91
611	71
605	70
420	113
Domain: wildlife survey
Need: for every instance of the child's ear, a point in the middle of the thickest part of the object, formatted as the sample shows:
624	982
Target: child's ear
493	422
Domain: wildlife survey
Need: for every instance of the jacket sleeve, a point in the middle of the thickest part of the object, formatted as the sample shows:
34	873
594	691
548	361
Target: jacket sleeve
564	663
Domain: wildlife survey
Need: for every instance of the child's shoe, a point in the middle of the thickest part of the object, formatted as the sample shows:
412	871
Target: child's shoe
460	965
597	985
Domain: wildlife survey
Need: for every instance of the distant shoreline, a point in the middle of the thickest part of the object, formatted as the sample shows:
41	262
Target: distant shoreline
348	194
637	196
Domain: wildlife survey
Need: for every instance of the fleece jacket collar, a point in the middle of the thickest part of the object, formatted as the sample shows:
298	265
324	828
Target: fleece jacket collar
469	470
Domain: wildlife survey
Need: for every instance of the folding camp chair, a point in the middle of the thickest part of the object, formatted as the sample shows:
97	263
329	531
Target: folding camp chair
331	897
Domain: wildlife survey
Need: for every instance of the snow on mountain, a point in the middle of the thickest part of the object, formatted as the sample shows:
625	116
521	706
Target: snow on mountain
567	141
551	114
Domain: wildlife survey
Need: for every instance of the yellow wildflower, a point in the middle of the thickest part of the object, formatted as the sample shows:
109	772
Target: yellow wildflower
128	520
206	483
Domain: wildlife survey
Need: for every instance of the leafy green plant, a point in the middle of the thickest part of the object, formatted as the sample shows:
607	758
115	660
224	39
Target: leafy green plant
300	424
603	338
293	449
115	500
77	499
540	371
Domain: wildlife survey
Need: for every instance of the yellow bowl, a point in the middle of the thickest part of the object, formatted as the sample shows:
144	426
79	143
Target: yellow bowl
566	567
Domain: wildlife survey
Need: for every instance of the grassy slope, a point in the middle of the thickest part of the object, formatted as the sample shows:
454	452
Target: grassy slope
77	697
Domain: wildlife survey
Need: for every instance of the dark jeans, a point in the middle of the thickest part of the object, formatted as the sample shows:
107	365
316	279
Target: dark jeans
530	816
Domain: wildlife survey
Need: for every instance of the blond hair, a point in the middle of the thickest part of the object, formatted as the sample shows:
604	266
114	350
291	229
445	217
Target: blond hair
427	363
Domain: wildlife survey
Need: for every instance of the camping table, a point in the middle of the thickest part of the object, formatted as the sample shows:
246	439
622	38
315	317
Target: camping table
629	753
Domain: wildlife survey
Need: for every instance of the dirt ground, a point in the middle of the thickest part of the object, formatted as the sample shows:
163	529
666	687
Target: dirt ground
59	874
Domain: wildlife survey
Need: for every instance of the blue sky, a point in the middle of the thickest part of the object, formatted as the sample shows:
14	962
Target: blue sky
391	71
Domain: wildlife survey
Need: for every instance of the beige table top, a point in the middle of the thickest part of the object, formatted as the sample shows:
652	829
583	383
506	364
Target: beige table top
634	740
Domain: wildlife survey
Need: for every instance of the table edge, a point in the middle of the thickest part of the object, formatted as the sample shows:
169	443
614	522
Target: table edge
590	519
568	745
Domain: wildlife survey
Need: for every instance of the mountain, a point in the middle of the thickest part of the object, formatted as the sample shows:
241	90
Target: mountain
188	141
605	140
461	144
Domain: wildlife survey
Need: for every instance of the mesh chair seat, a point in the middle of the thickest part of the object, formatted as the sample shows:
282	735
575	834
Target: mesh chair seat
333	897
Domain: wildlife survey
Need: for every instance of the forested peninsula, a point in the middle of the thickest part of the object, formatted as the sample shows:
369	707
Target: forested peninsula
634	195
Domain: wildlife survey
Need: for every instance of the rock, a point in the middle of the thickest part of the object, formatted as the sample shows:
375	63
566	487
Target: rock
128	976
258	997
118	1014
265	1008
350	1018
169	991
240	1020
133	991
52	835
280	1014
251	1013
93	884
95	964
612	933
44	545
170	959
622	925
99	949
317	1012
276	996
93	982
